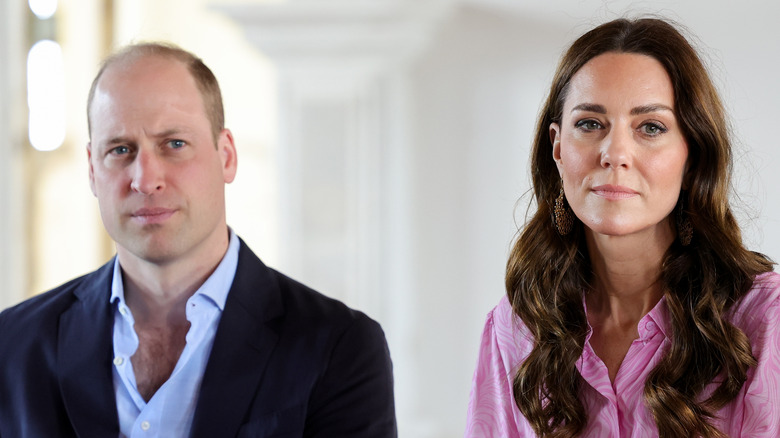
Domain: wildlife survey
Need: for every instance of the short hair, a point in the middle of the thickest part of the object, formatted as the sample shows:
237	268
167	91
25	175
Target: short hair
204	78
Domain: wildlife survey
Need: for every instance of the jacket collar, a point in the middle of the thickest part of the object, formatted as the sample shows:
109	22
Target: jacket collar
247	334
84	358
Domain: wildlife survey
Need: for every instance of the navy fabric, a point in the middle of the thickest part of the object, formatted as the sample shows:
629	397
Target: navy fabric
286	362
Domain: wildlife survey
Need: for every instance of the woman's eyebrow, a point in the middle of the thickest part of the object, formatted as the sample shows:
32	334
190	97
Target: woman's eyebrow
644	109
590	107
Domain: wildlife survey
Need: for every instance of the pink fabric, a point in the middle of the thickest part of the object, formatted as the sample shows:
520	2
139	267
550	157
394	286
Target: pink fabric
619	411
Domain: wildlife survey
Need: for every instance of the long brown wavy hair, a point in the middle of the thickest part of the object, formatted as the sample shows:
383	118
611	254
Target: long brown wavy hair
547	274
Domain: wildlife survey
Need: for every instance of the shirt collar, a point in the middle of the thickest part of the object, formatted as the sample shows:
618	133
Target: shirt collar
656	319
659	317
216	287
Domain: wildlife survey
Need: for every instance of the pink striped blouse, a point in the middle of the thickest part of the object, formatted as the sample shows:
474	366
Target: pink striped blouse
618	410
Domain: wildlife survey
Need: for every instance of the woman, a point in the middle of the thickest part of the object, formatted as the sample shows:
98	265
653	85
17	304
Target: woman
633	308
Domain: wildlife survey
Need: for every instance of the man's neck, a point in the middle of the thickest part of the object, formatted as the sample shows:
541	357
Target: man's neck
157	292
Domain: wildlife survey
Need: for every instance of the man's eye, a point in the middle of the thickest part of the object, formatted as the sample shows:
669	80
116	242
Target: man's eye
120	150
176	144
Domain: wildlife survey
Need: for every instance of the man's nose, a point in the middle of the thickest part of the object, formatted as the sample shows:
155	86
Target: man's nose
148	173
616	150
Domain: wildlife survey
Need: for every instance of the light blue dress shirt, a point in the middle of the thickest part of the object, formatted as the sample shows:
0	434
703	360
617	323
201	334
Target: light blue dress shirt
170	411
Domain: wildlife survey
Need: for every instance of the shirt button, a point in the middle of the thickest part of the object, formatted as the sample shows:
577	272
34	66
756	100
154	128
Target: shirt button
145	425
650	326
123	310
118	361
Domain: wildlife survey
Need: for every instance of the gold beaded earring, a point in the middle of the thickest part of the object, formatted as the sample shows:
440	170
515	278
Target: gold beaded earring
564	217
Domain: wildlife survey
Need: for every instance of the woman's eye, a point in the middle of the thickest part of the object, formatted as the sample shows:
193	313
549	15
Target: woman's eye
652	129
588	125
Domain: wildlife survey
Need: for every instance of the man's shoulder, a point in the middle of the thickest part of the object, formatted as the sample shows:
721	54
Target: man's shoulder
294	300
323	367
308	312
47	305
309	303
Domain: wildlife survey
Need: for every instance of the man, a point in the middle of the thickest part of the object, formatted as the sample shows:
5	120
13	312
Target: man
185	332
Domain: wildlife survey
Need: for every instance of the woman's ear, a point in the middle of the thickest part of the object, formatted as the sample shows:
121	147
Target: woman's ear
555	139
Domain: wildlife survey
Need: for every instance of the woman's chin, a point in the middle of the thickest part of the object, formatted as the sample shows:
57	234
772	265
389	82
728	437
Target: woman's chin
613	228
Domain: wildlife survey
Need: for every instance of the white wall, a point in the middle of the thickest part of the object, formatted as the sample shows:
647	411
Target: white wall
477	93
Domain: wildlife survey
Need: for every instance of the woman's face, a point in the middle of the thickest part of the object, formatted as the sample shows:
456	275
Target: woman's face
618	148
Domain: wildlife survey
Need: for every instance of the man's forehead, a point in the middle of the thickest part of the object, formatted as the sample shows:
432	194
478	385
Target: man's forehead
129	82
141	66
144	83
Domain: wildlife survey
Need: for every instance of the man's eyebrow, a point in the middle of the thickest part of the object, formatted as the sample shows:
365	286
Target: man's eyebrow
169	132
590	107
119	140
651	108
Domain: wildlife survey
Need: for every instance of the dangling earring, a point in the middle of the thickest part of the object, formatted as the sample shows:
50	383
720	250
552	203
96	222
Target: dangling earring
684	225
564	217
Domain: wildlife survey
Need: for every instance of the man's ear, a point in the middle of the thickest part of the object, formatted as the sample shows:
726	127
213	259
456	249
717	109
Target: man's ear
91	170
227	153
555	139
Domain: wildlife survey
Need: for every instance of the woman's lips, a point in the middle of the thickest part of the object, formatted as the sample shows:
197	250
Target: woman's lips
612	192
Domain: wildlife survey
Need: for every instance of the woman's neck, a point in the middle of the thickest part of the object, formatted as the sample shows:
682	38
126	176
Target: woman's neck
627	272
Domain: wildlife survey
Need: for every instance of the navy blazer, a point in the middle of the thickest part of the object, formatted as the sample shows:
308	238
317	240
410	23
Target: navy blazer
286	362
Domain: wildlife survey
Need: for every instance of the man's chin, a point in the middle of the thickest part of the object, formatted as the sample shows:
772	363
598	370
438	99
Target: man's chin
155	252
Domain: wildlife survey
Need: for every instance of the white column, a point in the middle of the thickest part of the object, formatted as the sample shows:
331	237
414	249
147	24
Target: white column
342	70
13	253
345	157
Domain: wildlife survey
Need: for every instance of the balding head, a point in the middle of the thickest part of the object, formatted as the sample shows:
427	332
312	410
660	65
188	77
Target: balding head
204	78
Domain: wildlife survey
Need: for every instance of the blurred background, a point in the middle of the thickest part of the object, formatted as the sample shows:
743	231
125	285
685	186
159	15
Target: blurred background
382	147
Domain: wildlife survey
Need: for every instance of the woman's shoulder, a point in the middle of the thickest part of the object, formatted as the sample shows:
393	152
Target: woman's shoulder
764	292
511	335
504	318
767	281
502	314
760	306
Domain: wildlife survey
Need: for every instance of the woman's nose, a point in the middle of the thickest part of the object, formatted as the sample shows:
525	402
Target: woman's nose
616	151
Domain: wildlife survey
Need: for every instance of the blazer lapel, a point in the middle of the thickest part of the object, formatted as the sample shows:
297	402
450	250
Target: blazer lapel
245	339
84	355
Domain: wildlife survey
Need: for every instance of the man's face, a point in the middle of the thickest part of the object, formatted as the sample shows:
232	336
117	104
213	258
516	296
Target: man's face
153	165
